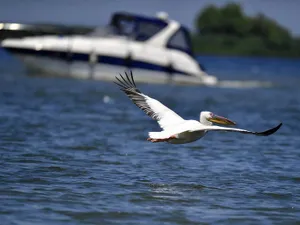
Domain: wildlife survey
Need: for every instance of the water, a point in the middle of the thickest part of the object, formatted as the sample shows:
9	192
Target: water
75	151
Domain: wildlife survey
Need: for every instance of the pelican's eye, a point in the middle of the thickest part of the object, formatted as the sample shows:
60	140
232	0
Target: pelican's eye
211	114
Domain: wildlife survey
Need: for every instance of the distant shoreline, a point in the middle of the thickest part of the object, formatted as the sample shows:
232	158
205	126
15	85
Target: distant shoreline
197	55
228	31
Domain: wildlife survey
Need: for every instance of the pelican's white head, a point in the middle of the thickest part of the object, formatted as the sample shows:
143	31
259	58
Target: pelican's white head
208	118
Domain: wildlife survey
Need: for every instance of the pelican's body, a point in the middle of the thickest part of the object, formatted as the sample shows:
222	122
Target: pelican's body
175	129
187	137
179	133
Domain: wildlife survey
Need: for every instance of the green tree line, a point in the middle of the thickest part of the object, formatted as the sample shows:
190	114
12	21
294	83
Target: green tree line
228	31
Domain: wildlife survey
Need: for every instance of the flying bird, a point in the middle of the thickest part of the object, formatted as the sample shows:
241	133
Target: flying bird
175	129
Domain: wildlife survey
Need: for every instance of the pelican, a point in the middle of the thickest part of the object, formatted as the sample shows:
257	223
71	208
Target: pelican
175	129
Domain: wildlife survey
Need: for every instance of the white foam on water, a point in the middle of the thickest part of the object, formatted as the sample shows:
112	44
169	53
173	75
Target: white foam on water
244	84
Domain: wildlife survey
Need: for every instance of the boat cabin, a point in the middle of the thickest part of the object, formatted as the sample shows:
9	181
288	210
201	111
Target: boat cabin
165	32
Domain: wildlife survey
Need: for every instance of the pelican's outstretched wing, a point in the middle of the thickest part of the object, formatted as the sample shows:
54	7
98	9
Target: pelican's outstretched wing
153	108
263	133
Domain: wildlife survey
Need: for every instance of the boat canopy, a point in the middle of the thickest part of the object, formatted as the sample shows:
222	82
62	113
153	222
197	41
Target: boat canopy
139	28
142	28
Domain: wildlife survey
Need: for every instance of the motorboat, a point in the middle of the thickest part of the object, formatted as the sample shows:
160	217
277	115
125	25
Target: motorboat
157	49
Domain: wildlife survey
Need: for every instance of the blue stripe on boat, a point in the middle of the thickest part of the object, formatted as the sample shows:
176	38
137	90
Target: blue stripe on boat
67	56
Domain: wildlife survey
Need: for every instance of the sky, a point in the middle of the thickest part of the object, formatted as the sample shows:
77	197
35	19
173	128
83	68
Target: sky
98	12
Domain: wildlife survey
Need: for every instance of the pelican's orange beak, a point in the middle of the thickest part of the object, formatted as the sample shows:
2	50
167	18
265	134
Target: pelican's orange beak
221	120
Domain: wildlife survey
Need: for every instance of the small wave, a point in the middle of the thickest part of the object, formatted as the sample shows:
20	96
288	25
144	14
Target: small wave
183	186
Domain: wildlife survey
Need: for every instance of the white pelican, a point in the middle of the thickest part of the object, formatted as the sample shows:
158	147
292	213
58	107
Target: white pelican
175	129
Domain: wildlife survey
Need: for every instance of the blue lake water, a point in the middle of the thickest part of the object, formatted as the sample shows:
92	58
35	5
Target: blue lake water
75	151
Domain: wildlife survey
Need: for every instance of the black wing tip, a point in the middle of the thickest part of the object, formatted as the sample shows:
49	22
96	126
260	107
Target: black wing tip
125	80
270	131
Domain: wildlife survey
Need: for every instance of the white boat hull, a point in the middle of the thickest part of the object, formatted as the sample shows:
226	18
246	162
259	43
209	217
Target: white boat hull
45	66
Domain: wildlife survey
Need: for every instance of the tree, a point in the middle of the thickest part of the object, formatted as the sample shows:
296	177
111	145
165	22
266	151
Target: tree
227	30
209	20
274	35
233	20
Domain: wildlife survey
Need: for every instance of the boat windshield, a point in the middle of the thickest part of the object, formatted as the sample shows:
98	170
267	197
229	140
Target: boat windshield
181	41
138	28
